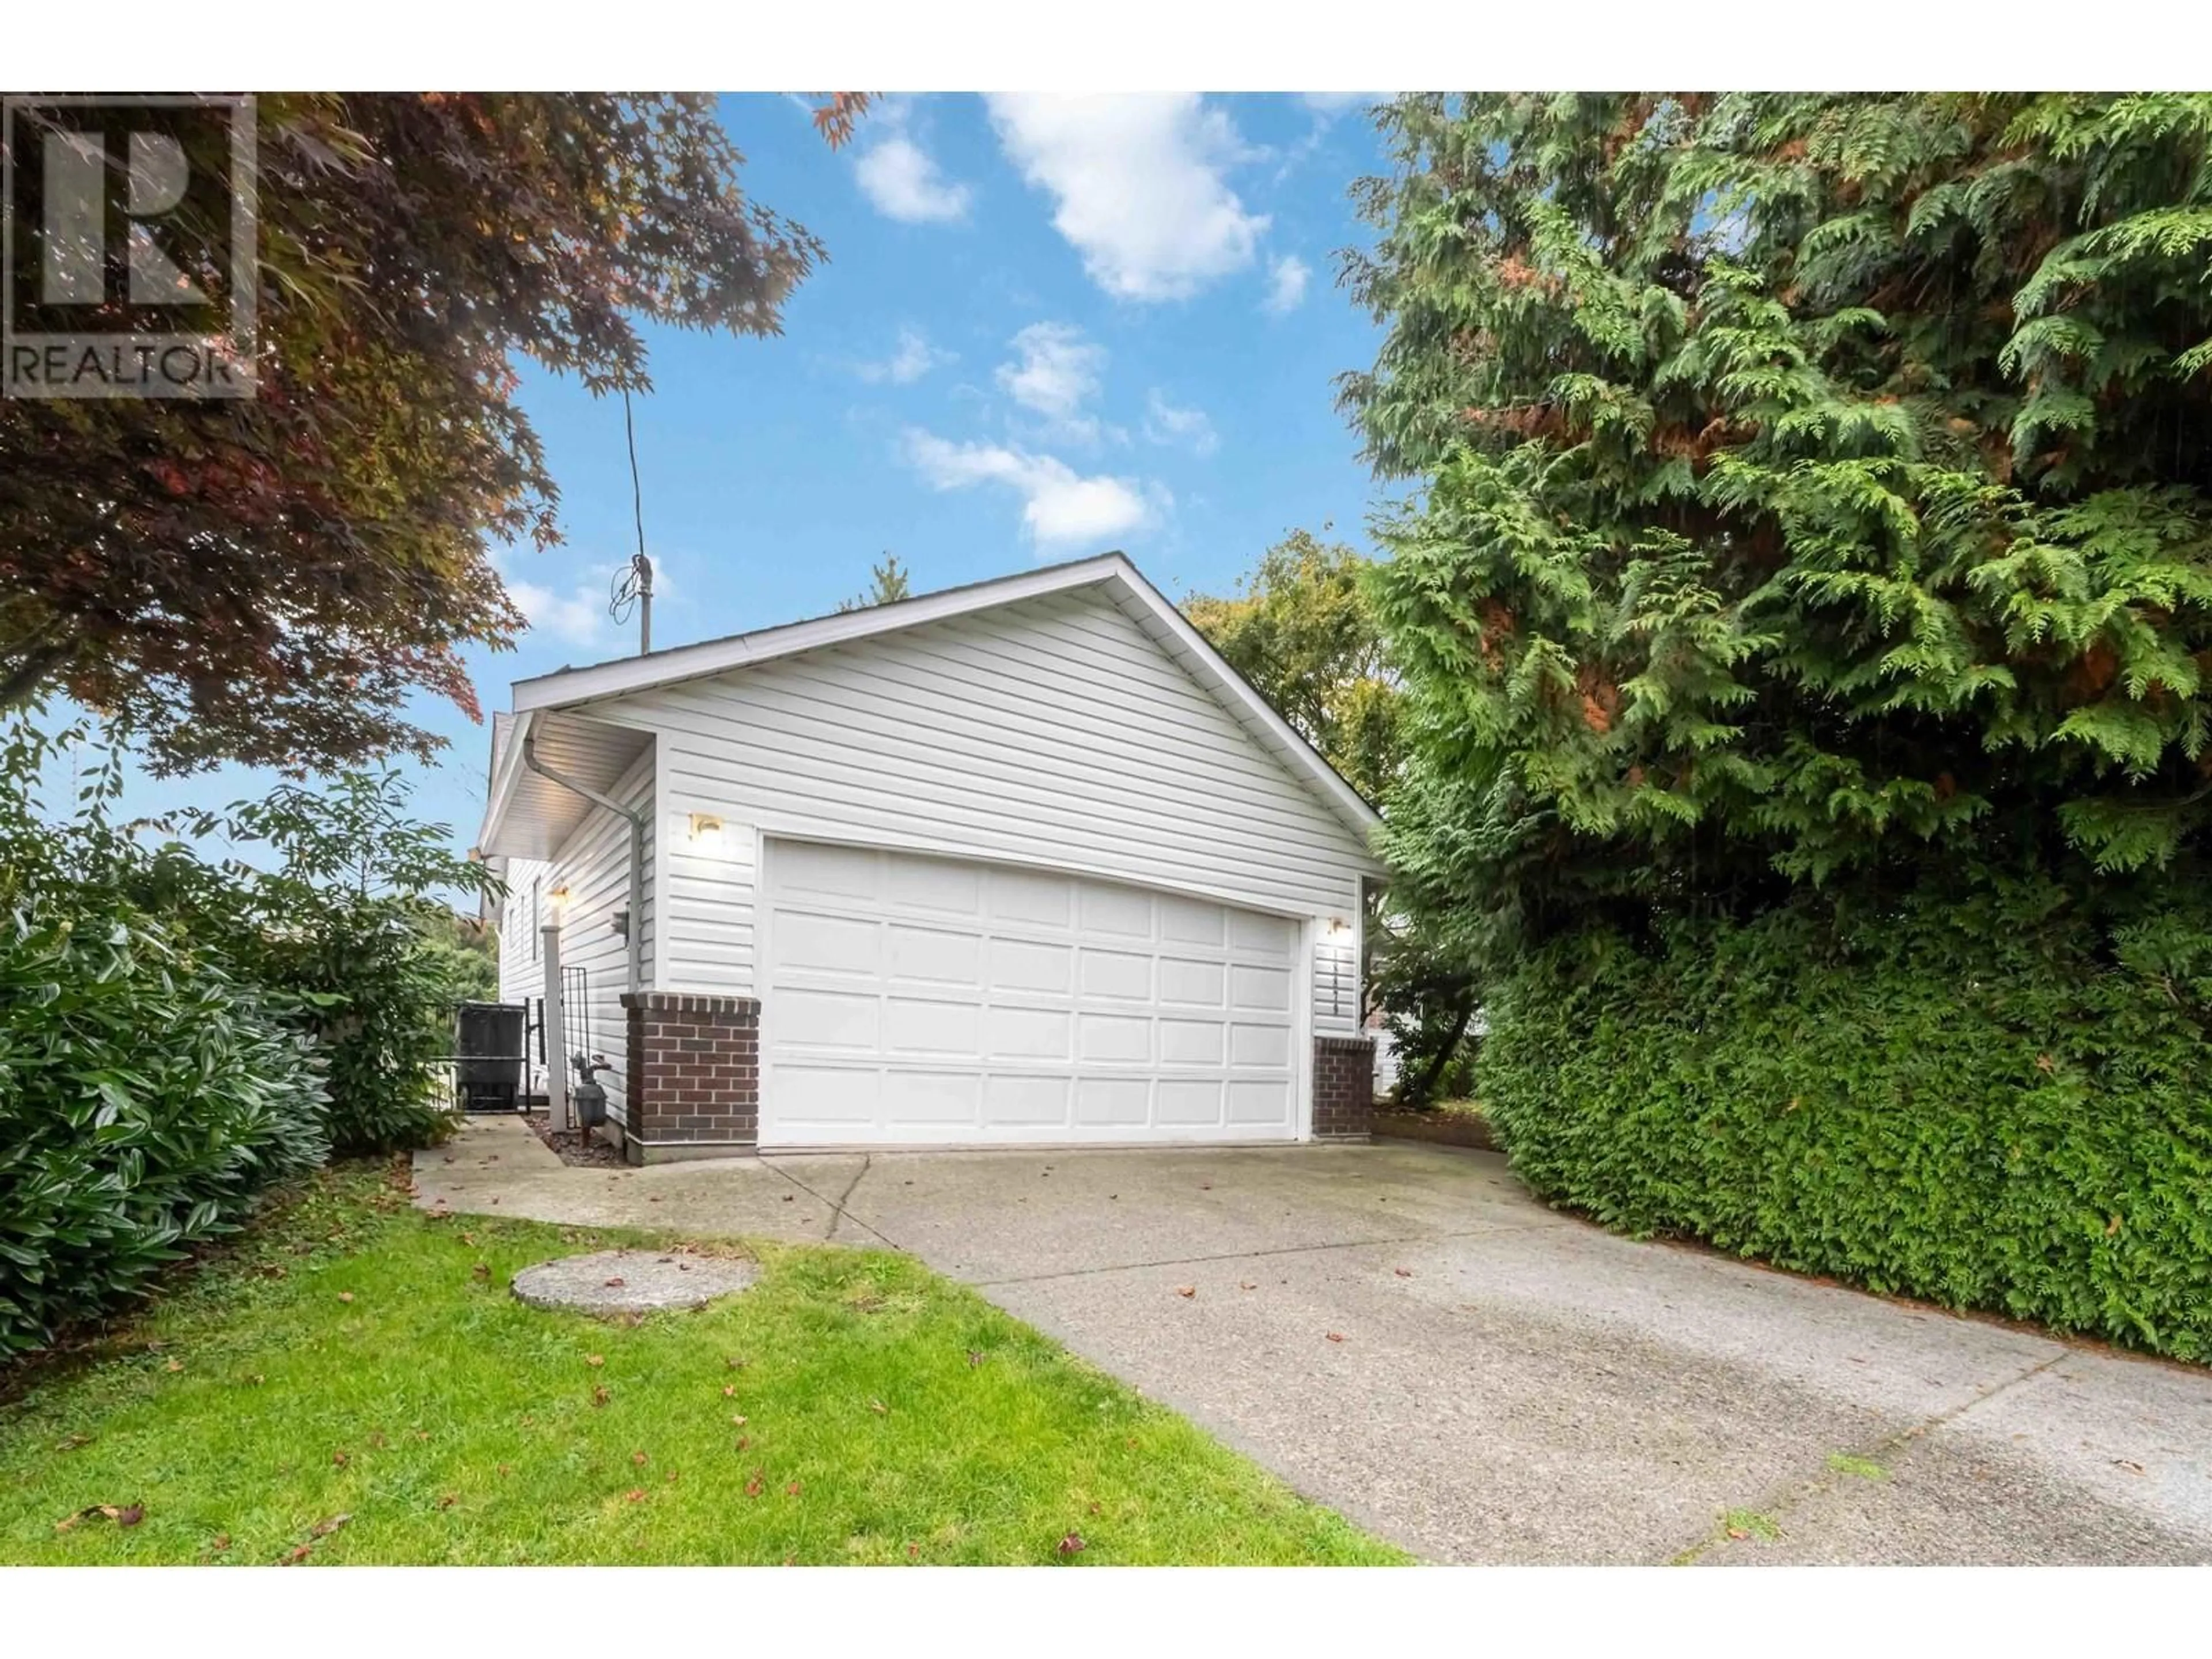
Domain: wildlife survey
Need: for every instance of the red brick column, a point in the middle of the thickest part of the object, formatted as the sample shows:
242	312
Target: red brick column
1344	1087
693	1075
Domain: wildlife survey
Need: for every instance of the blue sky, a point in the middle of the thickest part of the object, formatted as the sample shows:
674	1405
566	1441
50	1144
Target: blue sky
1047	326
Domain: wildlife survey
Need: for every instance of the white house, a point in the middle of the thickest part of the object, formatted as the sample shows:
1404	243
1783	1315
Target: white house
1023	862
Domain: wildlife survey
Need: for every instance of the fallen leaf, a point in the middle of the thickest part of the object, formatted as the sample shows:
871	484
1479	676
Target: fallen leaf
729	1391
1247	1285
616	1283
974	1356
506	1468
753	1487
175	1365
2129	1463
468	1238
787	1198
74	1442
324	1528
345	1296
738	1418
792	1490
297	1556
638	1494
339	1458
1072	1544
446	1502
482	1270
1333	1337
1403	1273
599	1395
1094	1508
913	1550
220	1542
744	1441
878	1407
1737	1532
595	1359
638	1458
1186	1290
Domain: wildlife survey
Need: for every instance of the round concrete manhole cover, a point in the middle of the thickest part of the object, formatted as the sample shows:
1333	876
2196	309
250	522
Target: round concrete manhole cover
631	1281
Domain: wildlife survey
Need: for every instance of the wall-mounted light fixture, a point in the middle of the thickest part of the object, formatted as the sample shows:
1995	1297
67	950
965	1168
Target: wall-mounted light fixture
1338	927
557	905
620	923
706	832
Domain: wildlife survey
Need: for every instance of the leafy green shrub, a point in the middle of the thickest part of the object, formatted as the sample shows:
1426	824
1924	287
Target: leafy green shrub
341	934
1976	1095
145	1099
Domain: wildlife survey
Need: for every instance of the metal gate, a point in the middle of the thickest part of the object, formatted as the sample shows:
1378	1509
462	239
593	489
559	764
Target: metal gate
576	1023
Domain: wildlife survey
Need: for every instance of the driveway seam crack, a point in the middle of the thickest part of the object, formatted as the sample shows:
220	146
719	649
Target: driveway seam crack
1780	1501
1251	1255
837	1210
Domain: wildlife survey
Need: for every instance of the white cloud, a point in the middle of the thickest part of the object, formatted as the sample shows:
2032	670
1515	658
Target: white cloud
904	182
1139	178
576	617
1055	372
1061	508
1179	428
1336	103
915	357
1286	284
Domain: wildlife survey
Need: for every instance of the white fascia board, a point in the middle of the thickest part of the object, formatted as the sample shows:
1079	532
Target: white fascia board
572	686
504	778
575	686
1229	682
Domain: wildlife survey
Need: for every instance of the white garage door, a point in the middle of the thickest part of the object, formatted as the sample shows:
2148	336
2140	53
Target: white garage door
918	1000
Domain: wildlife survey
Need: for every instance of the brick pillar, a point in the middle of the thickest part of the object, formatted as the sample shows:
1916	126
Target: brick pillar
693	1075
1344	1087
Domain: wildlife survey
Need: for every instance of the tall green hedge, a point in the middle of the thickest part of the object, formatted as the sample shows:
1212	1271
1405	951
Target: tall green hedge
1975	1094
146	1100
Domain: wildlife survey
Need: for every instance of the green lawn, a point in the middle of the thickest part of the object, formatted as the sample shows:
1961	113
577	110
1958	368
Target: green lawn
355	1360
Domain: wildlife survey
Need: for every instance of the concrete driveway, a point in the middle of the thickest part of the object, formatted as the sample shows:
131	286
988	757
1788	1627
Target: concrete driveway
1401	1332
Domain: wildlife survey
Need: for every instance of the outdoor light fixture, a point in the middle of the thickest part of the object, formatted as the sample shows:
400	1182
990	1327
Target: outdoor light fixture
557	905
706	832
1338	927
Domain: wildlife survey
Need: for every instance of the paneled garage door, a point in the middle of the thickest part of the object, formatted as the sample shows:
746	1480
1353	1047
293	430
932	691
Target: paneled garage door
920	1000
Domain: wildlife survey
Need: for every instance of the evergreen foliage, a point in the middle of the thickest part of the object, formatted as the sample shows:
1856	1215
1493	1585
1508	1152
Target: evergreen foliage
1962	1098
1803	612
1811	484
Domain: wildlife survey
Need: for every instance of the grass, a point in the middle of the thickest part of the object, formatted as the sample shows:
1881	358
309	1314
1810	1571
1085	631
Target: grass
1864	1467
1750	1524
354	1383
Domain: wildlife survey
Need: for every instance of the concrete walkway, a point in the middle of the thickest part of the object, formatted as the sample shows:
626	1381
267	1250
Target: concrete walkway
1401	1331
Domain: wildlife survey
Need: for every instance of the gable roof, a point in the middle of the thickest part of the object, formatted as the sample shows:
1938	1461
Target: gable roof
1112	574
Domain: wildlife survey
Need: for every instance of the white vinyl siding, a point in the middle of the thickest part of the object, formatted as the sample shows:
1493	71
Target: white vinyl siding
594	865
1053	732
521	973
